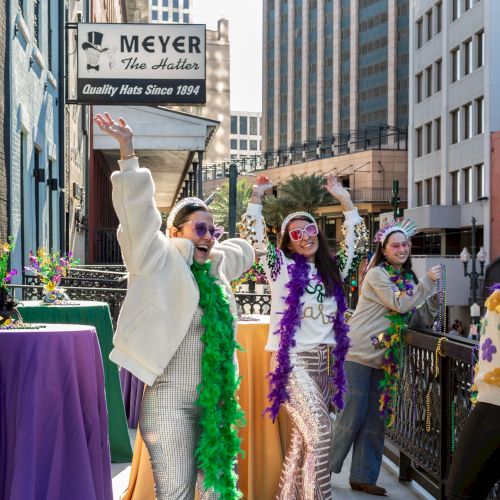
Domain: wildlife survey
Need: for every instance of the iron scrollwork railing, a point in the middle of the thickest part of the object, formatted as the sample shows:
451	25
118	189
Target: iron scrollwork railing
433	406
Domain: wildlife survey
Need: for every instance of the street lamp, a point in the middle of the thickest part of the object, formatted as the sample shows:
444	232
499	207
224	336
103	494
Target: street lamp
465	256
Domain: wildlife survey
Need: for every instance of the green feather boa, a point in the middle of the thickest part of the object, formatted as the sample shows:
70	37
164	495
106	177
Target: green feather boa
219	444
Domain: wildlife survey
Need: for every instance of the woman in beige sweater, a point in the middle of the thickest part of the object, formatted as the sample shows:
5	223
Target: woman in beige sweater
389	295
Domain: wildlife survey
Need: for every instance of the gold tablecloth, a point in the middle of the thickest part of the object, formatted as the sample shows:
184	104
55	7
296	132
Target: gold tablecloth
264	443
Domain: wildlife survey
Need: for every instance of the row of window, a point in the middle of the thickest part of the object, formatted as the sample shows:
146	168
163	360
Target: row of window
167	3
248	125
433	81
432	138
251	145
163	16
432	22
467	185
460	7
468	55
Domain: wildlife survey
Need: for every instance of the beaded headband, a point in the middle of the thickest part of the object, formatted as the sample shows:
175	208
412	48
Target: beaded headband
179	206
405	226
295	215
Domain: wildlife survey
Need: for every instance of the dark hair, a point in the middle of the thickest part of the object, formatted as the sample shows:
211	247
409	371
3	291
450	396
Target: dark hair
325	263
184	213
379	257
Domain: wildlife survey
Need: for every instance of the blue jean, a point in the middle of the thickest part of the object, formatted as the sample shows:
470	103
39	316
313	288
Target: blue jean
359	425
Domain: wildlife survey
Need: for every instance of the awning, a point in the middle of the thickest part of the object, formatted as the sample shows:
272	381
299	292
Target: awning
165	142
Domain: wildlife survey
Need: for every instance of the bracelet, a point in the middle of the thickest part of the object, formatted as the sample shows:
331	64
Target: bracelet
128	157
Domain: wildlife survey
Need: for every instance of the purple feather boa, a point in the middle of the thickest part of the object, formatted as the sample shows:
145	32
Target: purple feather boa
495	286
288	325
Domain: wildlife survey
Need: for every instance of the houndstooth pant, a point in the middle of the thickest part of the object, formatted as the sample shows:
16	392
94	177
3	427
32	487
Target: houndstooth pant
306	472
169	421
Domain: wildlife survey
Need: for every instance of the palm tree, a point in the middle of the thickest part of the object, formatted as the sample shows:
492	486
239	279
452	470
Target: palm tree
220	206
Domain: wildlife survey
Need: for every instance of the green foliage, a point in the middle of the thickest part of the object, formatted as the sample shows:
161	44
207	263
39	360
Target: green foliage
220	206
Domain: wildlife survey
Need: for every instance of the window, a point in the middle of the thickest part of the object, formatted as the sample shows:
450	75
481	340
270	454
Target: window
467	57
437	128
418	140
253	125
455	64
428	22
234	144
243	125
418	189
243	144
428	137
439	17
420	34
480	190
164	3
186	4
164	15
185	18
154	15
479	49
253	145
439	67
455	188
480	115
175	4
437	189
468	121
455	126
467	5
154	3
428	78
418	85
455	9
428	191
468	185
234	125
175	17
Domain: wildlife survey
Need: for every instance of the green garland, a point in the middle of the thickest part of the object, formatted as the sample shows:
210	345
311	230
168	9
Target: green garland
219	444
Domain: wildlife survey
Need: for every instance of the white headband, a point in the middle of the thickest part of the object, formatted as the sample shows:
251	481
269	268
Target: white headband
179	206
295	215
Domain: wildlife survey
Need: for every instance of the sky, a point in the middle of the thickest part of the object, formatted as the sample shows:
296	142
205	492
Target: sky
245	37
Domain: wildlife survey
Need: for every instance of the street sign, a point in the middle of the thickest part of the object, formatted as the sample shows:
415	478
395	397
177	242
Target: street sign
141	63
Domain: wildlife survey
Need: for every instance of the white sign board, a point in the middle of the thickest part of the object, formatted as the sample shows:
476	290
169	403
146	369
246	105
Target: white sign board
141	63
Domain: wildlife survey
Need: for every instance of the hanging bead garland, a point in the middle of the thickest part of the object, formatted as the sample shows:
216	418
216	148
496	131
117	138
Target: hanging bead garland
441	298
437	354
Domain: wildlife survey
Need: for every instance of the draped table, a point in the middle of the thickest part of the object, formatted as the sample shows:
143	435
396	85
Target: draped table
53	420
94	314
263	442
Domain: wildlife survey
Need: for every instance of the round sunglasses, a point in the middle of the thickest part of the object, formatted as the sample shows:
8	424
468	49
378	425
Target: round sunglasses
298	233
201	229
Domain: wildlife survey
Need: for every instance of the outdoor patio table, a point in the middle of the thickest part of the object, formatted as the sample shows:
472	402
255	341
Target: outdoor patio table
264	443
53	420
94	314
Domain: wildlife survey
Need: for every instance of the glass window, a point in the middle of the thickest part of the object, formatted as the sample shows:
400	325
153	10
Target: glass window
154	3
420	33
455	188
185	18
468	121
480	49
419	87
234	125
455	64
467	56
253	125
418	189
480	191
234	144
437	189
439	17
253	145
428	191
437	126
439	68
154	15
243	125
175	17
418	138
428	22
243	144
480	115
428	137
467	5
186	4
165	3
164	15
175	4
468	185
428	77
454	116
455	9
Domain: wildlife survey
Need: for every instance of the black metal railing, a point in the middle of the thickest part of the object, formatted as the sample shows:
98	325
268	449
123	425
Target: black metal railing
106	247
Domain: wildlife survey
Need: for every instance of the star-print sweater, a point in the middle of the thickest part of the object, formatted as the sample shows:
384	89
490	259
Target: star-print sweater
487	378
318	310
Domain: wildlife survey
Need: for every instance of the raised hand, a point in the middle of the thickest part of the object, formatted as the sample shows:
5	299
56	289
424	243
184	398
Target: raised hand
434	273
120	131
339	192
262	184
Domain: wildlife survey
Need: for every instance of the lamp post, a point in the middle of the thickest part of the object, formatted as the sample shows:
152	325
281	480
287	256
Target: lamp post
465	256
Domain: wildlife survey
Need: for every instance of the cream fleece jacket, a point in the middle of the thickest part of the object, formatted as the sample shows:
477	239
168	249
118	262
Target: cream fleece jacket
162	293
380	297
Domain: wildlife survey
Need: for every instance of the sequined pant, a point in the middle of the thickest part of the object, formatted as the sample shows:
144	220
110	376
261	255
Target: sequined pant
169	421
306	472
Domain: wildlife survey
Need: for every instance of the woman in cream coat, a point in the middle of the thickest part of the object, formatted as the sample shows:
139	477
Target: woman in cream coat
176	330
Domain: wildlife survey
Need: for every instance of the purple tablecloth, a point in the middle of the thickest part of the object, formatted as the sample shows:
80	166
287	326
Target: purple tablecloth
53	419
132	390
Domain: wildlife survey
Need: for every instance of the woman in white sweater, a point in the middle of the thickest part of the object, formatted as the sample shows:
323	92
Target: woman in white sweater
308	333
176	331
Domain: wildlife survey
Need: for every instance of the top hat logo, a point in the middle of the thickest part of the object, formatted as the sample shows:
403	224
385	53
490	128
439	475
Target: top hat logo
94	41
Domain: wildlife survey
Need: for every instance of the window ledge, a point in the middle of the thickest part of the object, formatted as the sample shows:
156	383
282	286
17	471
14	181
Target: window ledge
37	55
51	79
23	27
